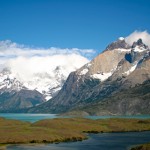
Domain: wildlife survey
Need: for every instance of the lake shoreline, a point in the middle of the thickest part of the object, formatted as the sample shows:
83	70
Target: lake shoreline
67	140
60	130
138	147
131	147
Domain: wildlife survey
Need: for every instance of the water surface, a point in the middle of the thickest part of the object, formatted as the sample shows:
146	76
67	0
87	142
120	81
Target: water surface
105	141
27	117
36	117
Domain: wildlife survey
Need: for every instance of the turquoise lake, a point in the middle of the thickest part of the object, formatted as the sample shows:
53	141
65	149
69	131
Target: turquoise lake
36	117
27	117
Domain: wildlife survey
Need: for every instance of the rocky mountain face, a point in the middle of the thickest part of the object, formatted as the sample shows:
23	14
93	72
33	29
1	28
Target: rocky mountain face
13	101
14	96
131	101
119	67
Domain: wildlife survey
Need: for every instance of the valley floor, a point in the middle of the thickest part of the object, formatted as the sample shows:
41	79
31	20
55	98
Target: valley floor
65	129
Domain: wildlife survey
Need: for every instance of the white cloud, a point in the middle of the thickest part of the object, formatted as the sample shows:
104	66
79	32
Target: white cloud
9	49
26	62
145	36
26	68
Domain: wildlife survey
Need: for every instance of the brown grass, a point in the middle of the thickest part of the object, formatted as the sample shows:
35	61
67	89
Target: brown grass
64	129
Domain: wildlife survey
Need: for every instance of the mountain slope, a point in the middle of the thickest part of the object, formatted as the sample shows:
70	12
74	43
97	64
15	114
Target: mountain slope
119	67
17	101
132	101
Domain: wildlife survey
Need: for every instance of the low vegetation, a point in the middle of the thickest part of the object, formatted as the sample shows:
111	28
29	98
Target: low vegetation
64	129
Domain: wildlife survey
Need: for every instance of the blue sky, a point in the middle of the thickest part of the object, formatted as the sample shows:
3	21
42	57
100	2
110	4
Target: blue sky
84	24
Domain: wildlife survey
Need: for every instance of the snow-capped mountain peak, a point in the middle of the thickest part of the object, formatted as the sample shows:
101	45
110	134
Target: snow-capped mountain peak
47	83
9	82
44	83
105	64
139	46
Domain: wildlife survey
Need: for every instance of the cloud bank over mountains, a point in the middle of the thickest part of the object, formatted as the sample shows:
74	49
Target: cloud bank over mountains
25	61
27	68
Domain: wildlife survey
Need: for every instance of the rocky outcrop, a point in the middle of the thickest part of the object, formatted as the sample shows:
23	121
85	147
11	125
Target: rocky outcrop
140	44
119	44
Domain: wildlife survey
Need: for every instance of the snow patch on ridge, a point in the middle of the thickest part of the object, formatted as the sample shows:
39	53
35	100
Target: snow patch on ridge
136	49
48	98
83	72
88	65
102	76
131	69
123	50
139	49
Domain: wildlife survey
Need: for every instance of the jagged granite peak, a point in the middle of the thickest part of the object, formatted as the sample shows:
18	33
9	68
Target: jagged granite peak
138	50
102	64
107	74
139	43
119	44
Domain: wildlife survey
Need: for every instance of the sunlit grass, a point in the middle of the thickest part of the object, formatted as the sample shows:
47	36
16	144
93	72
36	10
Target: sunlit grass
64	129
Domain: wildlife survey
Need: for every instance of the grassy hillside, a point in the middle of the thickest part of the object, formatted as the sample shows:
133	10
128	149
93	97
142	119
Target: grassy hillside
64	129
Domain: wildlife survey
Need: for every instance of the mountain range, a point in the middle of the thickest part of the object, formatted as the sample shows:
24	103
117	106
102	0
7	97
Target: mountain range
17	94
116	82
